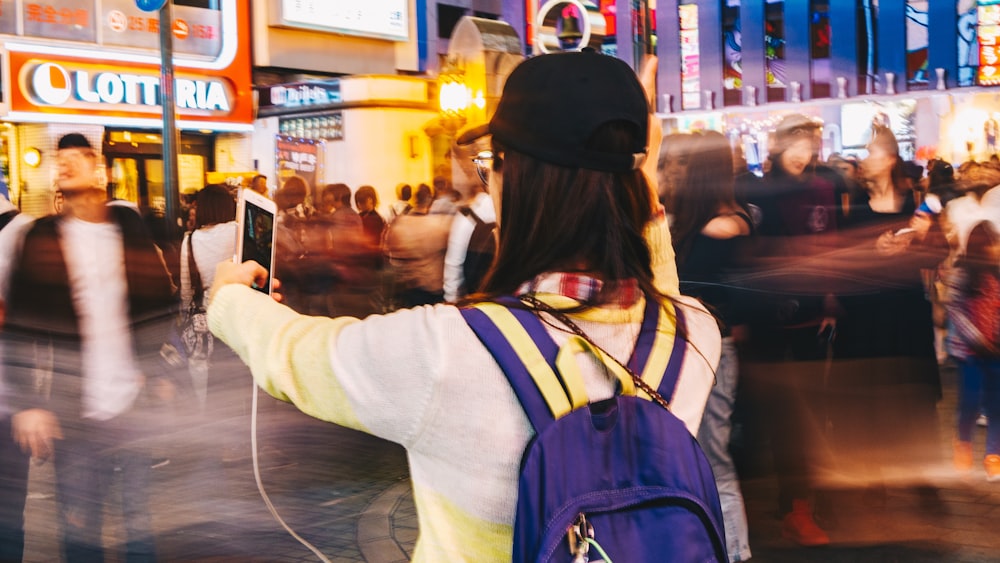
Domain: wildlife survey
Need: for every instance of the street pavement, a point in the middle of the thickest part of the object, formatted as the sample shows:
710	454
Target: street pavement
349	495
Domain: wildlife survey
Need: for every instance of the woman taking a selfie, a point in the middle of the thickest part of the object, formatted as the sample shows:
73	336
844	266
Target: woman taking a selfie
579	231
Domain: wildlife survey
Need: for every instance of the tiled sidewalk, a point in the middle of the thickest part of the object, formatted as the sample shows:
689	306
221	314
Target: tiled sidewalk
349	494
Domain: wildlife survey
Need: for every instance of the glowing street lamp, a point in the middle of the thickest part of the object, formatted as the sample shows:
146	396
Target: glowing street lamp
455	97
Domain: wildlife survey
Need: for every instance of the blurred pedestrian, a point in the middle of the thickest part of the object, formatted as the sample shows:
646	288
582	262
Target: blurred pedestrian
974	342
259	185
91	284
212	241
13	461
366	200
403	203
292	241
790	320
671	167
445	197
887	367
415	244
463	272
707	226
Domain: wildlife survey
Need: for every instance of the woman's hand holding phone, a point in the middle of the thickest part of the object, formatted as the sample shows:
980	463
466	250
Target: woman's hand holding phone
249	273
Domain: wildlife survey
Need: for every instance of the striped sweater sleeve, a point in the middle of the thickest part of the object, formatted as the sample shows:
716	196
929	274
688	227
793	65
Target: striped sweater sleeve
287	352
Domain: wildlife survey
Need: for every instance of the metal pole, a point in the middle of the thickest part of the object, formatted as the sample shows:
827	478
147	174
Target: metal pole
171	189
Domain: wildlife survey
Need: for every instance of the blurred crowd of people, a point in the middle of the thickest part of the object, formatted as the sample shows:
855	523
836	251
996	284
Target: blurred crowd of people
835	283
840	287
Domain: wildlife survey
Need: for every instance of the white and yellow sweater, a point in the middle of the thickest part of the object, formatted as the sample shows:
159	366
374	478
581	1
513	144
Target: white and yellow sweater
421	378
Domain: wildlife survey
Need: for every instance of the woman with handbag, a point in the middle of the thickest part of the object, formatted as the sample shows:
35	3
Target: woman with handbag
212	241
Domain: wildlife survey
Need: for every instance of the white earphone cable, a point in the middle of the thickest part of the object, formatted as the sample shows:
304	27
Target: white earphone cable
260	484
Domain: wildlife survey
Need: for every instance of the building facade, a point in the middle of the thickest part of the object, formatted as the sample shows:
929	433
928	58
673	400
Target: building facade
94	67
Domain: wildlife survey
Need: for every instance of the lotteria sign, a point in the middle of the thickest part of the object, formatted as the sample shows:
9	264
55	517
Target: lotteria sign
71	85
53	84
105	86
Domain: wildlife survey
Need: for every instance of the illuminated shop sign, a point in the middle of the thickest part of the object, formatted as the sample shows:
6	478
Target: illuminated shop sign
53	84
88	83
988	32
387	19
690	57
59	19
304	95
196	31
296	97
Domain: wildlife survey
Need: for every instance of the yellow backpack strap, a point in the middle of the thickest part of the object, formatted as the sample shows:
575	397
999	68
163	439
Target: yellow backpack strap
570	369
518	340
659	353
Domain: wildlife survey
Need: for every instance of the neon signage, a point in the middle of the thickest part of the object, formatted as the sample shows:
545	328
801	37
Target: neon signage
53	84
988	33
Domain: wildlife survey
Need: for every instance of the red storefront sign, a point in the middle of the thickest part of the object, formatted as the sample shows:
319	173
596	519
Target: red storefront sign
92	85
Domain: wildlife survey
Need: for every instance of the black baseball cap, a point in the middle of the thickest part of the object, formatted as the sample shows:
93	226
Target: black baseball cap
552	104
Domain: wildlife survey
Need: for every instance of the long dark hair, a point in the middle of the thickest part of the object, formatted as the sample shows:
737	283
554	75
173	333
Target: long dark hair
977	260
707	188
884	138
554	218
214	204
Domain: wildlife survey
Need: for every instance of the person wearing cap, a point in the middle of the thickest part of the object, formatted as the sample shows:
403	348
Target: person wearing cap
91	285
795	210
886	359
578	227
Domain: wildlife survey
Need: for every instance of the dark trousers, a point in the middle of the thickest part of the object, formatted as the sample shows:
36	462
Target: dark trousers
86	463
784	372
979	391
13	491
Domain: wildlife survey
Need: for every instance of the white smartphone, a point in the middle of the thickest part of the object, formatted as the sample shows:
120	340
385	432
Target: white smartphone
256	217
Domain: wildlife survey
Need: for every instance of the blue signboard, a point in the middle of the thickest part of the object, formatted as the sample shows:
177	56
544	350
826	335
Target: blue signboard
150	5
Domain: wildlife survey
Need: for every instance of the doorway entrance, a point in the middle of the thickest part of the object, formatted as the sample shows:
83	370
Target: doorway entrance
135	165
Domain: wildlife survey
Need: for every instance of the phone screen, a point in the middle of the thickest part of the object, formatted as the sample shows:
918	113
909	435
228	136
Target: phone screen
258	239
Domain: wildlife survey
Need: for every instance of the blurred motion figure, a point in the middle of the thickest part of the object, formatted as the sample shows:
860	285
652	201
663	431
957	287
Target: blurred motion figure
706	231
90	288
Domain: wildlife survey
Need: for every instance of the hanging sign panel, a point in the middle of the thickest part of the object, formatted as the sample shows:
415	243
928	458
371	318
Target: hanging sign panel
384	19
989	42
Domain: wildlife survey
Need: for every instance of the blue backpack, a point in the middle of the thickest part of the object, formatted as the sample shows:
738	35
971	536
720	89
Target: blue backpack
617	480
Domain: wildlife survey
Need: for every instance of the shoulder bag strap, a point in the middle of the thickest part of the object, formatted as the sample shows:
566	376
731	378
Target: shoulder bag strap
468	212
194	274
661	372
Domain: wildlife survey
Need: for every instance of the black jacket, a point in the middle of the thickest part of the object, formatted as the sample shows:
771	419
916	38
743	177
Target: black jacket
42	329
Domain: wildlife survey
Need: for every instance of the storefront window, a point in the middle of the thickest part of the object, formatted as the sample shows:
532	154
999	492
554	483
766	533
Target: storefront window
124	180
